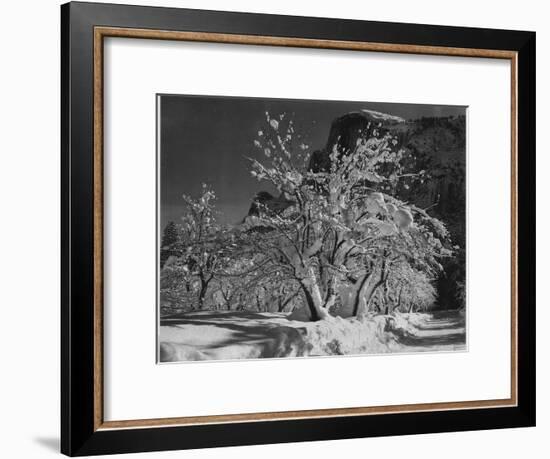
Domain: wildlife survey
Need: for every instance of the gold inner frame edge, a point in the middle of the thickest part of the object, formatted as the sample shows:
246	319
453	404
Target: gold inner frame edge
98	151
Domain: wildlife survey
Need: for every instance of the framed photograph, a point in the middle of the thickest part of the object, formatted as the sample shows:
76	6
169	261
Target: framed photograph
280	229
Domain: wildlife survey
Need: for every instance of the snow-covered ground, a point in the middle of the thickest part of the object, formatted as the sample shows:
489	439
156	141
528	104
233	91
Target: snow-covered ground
222	335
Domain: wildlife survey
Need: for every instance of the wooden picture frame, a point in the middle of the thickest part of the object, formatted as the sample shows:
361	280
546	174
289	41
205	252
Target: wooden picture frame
84	430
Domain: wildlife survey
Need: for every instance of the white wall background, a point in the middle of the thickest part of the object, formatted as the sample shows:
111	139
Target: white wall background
29	230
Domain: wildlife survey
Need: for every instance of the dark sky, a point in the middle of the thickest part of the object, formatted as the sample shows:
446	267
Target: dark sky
205	139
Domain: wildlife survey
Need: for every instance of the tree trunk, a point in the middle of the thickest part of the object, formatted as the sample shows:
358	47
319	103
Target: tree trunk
386	296
226	296
258	303
366	286
399	297
203	289
202	294
309	302
313	296
331	295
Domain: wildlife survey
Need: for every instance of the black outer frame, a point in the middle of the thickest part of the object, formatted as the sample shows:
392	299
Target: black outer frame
77	379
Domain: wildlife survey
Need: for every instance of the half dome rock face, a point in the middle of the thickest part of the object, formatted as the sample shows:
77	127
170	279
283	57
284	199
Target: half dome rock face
263	198
436	143
347	129
266	201
384	117
319	161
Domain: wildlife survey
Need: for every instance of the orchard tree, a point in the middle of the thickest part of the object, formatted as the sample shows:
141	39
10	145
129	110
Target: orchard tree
340	230
408	289
170	242
201	249
207	243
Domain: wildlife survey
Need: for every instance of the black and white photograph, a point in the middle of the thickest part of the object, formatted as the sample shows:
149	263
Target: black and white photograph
302	228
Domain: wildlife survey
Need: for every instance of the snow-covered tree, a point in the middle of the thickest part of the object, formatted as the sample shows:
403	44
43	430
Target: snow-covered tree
201	248
169	243
340	231
408	290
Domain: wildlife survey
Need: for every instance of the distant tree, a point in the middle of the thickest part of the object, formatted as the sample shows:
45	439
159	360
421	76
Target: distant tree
200	248
170	243
408	290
